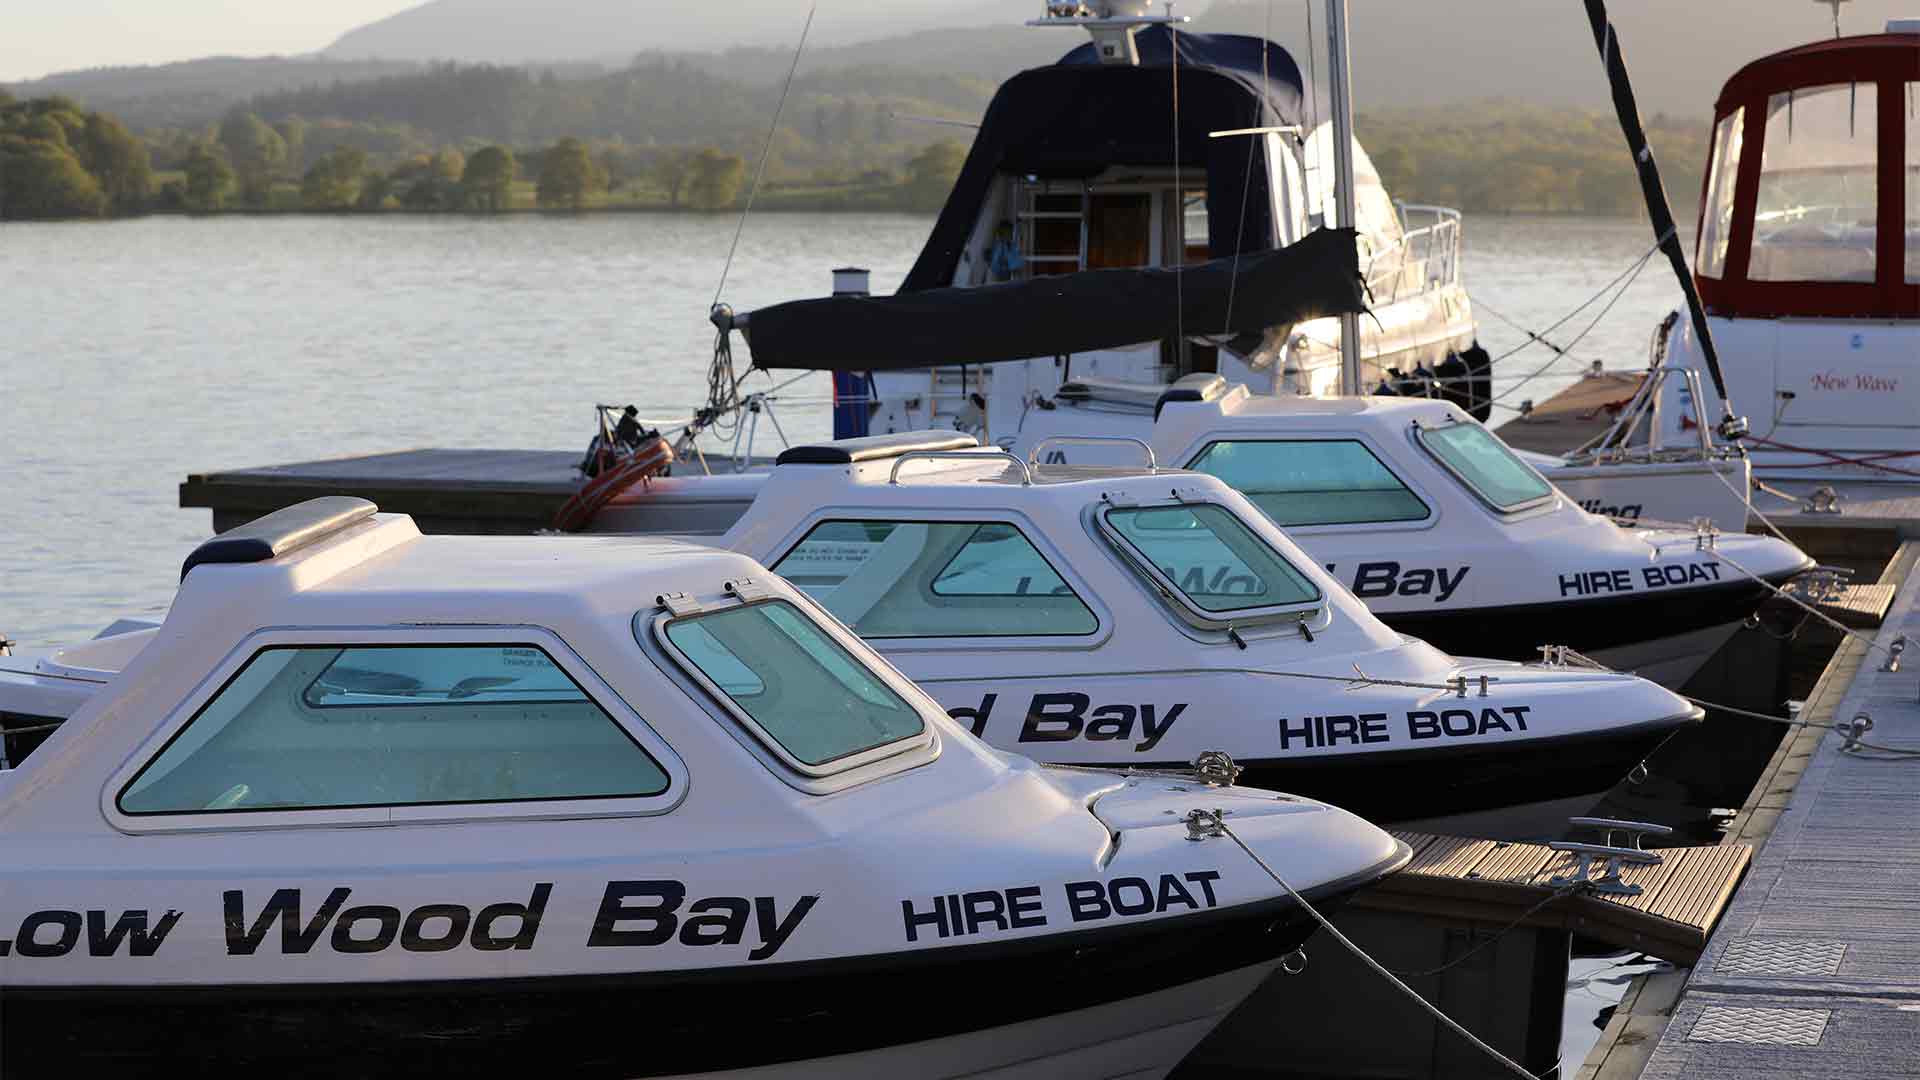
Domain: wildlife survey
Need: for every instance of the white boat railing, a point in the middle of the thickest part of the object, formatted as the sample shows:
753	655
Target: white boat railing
1636	435
1425	258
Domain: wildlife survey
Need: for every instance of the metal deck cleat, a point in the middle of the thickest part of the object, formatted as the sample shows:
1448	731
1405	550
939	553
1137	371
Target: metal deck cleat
1611	856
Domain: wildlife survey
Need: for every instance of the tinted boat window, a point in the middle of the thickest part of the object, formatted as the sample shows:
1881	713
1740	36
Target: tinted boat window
1211	557
805	692
1485	465
311	727
1312	482
902	579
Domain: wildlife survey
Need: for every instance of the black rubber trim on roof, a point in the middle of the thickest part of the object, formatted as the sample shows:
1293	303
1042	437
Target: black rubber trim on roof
876	447
281	532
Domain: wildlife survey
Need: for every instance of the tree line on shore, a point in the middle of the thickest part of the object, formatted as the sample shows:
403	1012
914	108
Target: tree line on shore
59	161
474	138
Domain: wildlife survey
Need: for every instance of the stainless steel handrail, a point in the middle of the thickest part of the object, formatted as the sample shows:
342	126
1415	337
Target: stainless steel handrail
1033	456
985	452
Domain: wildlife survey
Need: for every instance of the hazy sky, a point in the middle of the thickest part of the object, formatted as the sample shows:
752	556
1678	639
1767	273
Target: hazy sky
44	36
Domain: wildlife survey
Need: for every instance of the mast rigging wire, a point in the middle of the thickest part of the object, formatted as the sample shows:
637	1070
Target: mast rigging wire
1246	180
766	150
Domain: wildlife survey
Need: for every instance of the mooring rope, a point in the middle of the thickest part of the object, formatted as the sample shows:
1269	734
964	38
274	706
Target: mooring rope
1746	499
1219	821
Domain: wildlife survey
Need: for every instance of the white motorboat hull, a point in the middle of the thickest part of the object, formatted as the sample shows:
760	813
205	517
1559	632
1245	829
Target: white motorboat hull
1676	492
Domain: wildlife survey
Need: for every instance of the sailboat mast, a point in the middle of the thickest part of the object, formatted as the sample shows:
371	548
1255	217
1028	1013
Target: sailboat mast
1667	234
1340	87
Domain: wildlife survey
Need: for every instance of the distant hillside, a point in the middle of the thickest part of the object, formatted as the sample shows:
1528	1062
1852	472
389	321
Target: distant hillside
1405	51
195	92
656	101
519	31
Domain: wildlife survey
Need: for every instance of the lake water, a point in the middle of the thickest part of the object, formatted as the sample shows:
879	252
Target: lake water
133	353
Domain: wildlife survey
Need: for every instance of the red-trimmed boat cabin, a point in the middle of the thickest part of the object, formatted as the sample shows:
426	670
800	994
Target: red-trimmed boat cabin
1811	206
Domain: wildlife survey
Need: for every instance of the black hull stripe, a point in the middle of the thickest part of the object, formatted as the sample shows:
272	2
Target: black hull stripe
640	1024
1516	631
1409	785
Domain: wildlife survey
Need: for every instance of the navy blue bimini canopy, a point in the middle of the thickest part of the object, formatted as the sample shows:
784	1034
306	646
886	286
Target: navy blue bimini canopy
1078	117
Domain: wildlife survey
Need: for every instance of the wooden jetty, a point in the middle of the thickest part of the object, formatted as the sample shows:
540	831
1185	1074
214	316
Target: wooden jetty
1501	883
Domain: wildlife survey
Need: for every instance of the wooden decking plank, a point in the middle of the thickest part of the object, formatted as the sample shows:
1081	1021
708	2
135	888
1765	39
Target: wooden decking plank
1515	863
1450	857
1860	606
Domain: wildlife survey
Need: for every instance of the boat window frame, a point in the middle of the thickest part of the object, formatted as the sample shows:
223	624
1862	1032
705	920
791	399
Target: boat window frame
1209	440
899	752
1031	532
1419	430
1173	596
499	635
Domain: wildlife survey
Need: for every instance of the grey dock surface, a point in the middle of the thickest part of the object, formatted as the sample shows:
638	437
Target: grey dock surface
481	491
1815	968
445	491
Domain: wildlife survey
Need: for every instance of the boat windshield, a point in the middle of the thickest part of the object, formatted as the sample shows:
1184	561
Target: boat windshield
797	688
1483	463
1312	481
1205	558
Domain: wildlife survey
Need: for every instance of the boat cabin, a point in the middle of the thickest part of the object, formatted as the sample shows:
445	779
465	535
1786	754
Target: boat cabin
1808	259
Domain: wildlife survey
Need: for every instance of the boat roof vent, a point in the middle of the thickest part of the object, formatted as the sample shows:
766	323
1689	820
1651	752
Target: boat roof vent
876	447
282	531
1199	386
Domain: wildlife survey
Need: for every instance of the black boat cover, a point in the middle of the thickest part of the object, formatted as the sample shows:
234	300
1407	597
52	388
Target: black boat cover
1064	313
1078	117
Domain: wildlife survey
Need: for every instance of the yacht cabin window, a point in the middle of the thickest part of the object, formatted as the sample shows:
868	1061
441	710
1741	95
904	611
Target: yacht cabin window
332	727
1911	99
1716	220
1312	481
1202	556
928	579
1485	465
1814	217
799	690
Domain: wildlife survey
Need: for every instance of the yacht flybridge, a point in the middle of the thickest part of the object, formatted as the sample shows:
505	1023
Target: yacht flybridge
1808	260
1131	616
1149	156
370	801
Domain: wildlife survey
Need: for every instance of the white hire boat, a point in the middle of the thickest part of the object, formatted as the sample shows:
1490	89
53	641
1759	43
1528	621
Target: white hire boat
1115	617
373	802
1436	523
1408	502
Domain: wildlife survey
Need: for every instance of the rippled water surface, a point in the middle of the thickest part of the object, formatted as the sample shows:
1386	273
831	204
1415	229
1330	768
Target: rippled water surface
136	352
